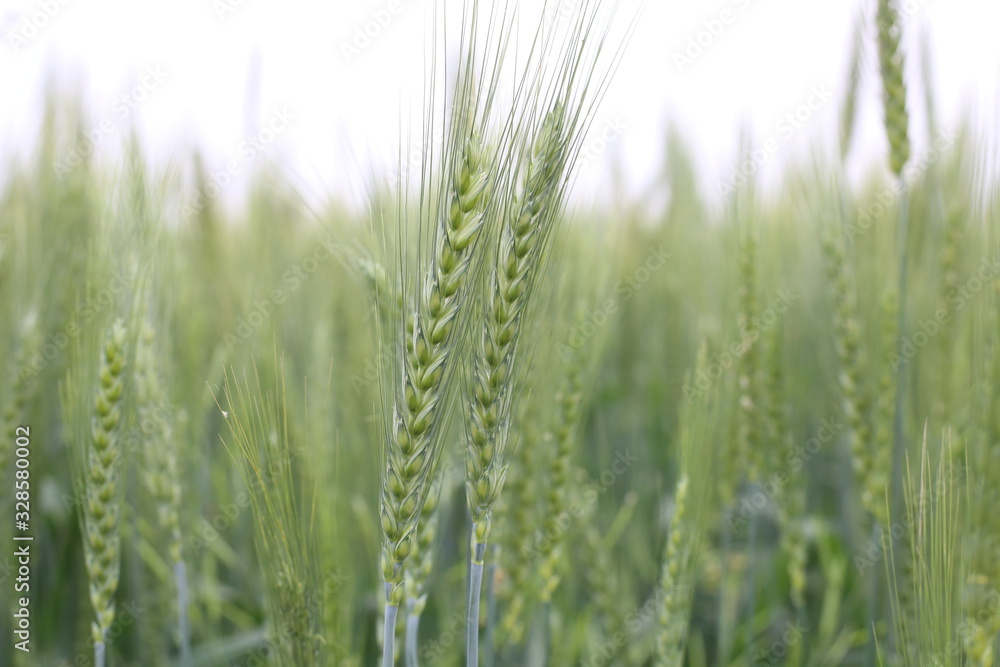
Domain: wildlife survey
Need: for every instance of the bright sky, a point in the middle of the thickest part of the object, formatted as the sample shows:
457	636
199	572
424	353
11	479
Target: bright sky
200	72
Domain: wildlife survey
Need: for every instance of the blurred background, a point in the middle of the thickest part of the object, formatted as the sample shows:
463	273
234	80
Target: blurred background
352	75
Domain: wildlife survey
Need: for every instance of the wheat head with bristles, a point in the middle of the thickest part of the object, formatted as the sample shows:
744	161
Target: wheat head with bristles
415	446
517	268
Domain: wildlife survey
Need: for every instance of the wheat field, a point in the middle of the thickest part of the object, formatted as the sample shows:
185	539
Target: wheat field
477	423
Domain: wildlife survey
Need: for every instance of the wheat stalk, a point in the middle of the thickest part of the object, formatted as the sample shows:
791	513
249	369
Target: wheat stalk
693	503
855	402
564	438
896	121
102	510
521	502
160	473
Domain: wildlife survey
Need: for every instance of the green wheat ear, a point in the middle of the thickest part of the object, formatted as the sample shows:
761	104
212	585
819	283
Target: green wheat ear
102	512
517	268
890	59
855	399
693	503
415	445
160	471
20	389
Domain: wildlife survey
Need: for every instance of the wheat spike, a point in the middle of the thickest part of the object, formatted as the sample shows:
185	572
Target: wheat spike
102	511
890	59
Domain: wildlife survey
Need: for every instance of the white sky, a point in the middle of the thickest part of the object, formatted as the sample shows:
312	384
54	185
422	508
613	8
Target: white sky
346	115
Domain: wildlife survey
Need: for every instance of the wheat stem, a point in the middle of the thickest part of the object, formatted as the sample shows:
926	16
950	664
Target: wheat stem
389	636
472	610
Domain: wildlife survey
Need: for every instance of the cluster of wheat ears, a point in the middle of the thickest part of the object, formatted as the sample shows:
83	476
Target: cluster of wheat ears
489	435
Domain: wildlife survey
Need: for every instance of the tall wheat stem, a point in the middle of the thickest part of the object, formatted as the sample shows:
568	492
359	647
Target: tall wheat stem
896	126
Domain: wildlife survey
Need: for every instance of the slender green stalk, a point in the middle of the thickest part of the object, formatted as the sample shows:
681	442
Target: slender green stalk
491	611
897	130
412	637
751	436
472	610
389	635
899	427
